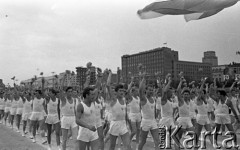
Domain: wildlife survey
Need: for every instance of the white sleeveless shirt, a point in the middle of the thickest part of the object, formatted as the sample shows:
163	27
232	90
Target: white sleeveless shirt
118	111
148	110
68	109
221	109
167	109
202	109
88	115
38	105
27	108
52	107
134	105
184	110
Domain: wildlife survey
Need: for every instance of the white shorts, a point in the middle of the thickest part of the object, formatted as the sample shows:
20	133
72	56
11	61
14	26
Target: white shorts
52	119
118	128
26	116
203	119
2	107
184	122
167	122
135	117
36	116
7	109
87	135
68	122
223	119
19	111
13	111
148	125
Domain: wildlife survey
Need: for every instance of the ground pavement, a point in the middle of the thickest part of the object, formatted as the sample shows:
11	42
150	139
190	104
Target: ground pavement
11	140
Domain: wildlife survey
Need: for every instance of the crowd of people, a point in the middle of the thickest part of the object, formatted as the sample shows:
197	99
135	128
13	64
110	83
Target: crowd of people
103	112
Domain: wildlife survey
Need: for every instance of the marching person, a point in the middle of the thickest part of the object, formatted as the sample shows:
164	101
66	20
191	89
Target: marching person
52	119
67	108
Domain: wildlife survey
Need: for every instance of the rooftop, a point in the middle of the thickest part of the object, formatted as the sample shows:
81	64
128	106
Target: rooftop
149	51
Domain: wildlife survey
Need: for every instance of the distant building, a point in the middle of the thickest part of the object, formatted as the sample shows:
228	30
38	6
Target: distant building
210	57
119	75
2	86
166	61
193	71
156	60
81	76
218	73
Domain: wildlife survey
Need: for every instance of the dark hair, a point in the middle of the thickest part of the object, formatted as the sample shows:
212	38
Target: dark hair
39	92
117	87
54	91
222	92
86	91
68	88
204	91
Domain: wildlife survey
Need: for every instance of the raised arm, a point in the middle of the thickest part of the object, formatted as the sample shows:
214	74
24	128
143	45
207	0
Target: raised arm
234	83
165	89
109	90
179	90
87	82
142	88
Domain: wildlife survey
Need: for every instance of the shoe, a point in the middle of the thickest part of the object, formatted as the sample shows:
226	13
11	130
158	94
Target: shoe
59	148
30	137
18	131
23	134
49	147
44	142
34	140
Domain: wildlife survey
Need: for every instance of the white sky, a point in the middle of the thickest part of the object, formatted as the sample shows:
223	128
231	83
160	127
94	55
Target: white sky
56	35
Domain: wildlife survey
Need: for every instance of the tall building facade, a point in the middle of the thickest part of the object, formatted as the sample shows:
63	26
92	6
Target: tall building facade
210	57
81	76
164	60
156	60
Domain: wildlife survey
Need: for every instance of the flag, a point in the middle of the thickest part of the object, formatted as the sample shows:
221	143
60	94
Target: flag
13	78
192	9
41	73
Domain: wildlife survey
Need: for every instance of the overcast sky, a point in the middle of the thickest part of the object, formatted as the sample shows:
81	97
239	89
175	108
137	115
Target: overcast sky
56	35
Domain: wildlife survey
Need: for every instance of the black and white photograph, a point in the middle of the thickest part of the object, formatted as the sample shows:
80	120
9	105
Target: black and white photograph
119	74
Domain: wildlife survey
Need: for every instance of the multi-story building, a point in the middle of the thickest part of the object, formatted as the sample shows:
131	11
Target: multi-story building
2	86
226	72
81	76
218	73
156	60
73	80
192	71
163	60
210	57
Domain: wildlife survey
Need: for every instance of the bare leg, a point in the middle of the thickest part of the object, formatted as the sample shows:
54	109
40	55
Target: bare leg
143	138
